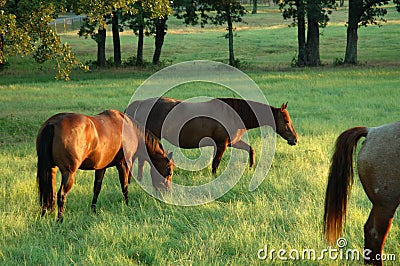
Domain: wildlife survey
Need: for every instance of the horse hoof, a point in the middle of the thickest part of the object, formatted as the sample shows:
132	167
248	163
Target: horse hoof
60	219
93	207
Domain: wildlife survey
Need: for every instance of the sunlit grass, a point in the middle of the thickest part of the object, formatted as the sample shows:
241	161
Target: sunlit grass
284	212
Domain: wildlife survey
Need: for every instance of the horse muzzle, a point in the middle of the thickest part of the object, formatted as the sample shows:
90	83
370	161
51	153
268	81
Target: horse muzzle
292	141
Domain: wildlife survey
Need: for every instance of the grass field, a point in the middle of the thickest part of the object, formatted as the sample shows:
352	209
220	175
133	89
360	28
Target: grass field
285	212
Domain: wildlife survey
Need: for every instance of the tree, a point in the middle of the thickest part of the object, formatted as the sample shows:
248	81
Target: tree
217	12
161	31
87	29
150	19
99	15
362	13
25	30
160	9
317	13
116	39
254	11
141	26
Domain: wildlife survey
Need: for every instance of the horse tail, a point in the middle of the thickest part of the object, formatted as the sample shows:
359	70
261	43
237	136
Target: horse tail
339	182
44	171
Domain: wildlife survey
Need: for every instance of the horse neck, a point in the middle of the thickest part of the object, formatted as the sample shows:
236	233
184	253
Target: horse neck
153	146
149	145
253	114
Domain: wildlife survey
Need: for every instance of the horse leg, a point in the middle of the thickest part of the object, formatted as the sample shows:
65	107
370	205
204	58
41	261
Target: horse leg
123	173
244	146
98	180
68	179
220	149
375	232
140	169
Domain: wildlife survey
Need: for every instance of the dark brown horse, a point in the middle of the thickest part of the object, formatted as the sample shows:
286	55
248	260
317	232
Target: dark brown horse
379	171
69	142
220	122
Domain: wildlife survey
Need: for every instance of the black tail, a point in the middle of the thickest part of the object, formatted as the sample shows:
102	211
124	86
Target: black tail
44	173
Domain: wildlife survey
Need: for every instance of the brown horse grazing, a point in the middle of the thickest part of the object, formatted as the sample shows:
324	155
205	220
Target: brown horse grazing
379	171
69	141
220	122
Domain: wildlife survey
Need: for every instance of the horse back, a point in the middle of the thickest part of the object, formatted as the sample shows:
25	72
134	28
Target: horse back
87	142
114	139
152	112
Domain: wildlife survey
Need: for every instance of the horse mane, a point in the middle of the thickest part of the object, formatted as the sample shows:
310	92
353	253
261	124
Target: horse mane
145	136
243	109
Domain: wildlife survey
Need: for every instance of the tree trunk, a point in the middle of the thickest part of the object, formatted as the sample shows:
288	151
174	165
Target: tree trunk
254	7
355	11
301	34
101	47
351	46
312	47
159	41
232	61
139	54
341	3
2	52
116	39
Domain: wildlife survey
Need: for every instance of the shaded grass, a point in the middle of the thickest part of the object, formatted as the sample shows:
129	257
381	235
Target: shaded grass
264	43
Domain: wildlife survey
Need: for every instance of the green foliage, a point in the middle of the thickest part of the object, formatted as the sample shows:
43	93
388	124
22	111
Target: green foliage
99	12
146	14
372	12
318	10
141	19
338	62
24	30
203	12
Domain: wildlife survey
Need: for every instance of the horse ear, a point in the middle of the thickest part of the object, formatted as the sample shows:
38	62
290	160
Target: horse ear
284	106
169	155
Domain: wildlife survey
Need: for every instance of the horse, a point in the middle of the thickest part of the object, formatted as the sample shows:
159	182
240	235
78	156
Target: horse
379	172
70	141
219	122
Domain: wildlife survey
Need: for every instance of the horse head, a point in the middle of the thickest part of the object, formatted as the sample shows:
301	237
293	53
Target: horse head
284	126
161	173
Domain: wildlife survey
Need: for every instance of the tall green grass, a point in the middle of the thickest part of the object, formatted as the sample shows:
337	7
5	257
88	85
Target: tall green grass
285	211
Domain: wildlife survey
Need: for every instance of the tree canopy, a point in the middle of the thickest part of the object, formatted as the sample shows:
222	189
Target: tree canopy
25	30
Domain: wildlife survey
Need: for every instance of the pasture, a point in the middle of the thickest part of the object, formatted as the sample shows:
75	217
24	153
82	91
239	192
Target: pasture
284	212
